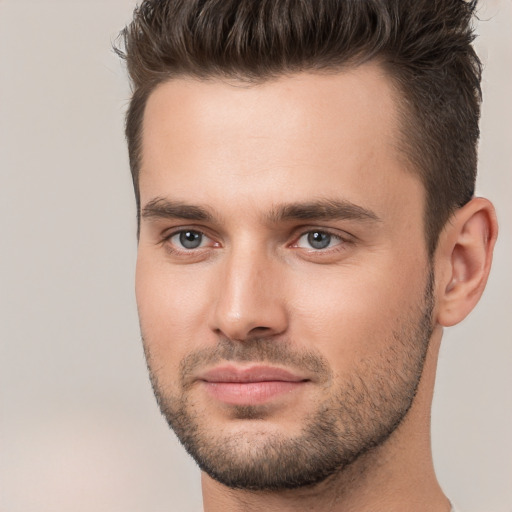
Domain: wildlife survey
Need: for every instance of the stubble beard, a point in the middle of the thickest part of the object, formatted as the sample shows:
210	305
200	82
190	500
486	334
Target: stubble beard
365	410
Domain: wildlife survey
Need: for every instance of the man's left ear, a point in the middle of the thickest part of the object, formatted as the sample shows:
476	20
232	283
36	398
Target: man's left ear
463	259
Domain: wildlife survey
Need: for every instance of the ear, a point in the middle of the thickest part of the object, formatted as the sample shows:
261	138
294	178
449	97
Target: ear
463	259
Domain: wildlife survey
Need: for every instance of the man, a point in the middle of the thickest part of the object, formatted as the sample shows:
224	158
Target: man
304	175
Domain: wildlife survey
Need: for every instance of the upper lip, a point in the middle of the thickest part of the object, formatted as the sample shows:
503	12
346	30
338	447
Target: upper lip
249	374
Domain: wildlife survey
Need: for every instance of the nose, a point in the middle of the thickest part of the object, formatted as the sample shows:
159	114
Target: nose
250	298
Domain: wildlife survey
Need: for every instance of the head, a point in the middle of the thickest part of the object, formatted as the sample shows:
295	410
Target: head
295	169
424	47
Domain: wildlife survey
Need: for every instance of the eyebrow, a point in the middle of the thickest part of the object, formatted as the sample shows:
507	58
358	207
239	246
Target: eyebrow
326	209
160	208
323	210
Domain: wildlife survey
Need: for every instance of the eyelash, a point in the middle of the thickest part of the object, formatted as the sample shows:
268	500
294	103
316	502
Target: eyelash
342	242
332	237
171	248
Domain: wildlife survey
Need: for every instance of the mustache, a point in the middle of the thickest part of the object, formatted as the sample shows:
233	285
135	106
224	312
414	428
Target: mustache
255	350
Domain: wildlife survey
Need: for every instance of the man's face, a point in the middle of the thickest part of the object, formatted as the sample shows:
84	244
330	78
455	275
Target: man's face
283	284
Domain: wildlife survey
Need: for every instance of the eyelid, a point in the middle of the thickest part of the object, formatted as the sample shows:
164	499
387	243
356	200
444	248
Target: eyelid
344	239
172	232
203	239
335	233
332	241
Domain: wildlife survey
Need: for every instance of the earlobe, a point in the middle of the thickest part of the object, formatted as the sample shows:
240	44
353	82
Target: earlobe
465	256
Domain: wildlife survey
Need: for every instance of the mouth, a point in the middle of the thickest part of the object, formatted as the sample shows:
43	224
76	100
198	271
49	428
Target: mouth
250	386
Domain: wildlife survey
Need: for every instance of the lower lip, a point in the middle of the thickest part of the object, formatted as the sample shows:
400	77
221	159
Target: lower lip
250	393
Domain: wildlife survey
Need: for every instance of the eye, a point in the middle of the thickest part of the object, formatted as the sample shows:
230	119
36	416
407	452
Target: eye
188	239
318	240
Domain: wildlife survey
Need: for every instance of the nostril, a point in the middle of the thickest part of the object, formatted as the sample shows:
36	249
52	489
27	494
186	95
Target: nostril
259	330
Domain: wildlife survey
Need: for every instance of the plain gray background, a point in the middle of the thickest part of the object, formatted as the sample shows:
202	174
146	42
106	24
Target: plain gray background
79	429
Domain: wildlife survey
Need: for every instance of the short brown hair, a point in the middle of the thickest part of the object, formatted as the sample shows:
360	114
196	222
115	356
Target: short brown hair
425	45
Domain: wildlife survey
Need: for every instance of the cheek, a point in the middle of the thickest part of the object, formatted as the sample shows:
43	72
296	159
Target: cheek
171	305
352	314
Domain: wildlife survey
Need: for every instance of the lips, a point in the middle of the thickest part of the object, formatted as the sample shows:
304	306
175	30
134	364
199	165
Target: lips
251	374
250	386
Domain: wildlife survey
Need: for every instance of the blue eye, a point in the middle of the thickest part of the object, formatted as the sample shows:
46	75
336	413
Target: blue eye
318	240
188	239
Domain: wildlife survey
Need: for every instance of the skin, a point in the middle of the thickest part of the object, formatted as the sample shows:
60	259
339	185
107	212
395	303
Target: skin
241	153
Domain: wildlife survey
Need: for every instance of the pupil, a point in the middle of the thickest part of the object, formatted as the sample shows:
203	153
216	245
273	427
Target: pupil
319	240
190	239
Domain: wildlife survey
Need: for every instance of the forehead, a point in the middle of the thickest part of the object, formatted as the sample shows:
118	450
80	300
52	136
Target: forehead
290	139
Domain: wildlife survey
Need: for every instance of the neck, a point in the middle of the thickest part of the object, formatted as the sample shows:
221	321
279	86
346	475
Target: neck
396	476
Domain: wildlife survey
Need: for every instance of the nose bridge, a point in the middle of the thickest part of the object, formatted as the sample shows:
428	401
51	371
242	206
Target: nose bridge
249	301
